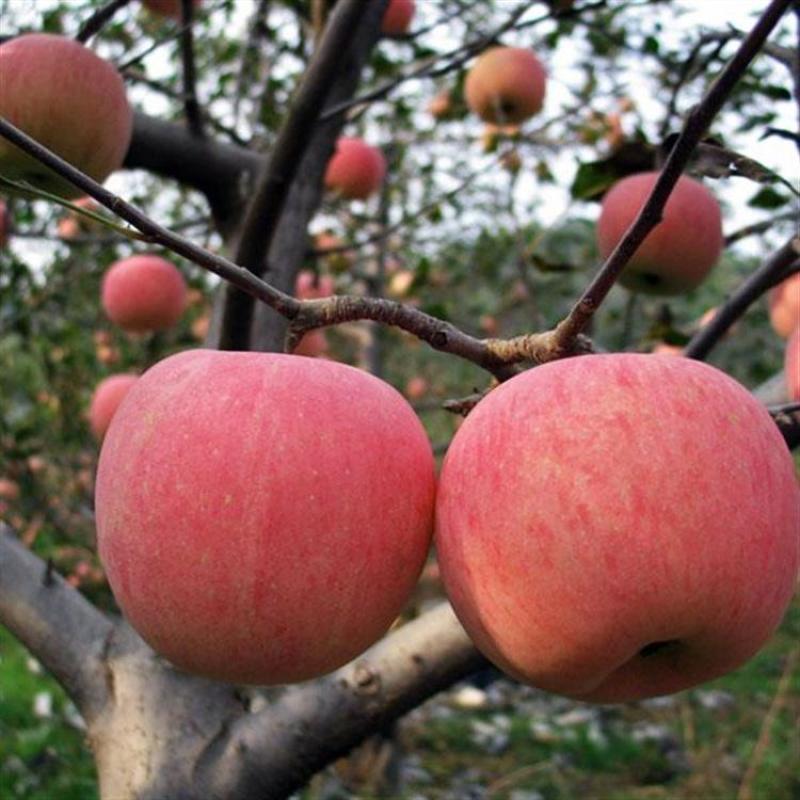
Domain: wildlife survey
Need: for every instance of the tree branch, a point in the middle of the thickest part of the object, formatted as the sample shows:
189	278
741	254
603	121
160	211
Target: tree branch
733	308
100	17
280	748
191	107
650	215
54	622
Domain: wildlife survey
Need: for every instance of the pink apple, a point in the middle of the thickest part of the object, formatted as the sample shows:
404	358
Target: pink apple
356	170
397	17
680	251
506	85
793	364
106	399
262	517
144	293
70	100
309	286
612	527
784	306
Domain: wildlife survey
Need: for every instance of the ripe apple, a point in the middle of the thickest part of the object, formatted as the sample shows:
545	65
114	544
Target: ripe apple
143	293
106	399
506	85
73	102
262	517
416	387
309	286
397	17
680	251
167	8
440	105
5	224
793	364
612	527
784	305
356	170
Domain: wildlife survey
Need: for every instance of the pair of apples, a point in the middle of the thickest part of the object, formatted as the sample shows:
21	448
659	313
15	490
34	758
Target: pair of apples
608	527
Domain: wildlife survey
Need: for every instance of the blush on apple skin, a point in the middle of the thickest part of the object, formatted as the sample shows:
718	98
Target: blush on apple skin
263	518
613	527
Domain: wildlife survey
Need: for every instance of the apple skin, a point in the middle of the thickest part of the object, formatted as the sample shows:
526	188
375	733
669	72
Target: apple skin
397	17
592	508
784	306
506	85
68	99
262	517
792	364
143	293
106	399
356	169
680	251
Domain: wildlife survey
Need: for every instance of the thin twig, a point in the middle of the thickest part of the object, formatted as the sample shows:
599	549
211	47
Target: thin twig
696	124
95	23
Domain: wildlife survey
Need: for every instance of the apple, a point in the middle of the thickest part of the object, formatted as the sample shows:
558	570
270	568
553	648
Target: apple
440	105
310	286
416	388
506	85
613	527
167	8
5	224
263	517
784	305
313	344
793	364
71	101
356	170
143	293
72	224
9	490
397	17
680	251
106	399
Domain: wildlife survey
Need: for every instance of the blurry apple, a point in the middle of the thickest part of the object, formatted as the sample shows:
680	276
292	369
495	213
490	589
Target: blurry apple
356	170
71	225
784	306
144	293
440	105
313	344
106	399
397	17
310	286
612	527
793	364
506	85
262	518
680	251
9	490
416	387
61	94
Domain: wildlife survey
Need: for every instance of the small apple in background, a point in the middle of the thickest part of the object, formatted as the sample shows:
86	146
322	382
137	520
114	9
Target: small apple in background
68	99
416	388
9	490
680	251
613	527
666	349
313	344
5	224
440	105
237	499
506	85
106	399
72	224
144	293
792	364
167	8
397	17
310	286
784	306
356	170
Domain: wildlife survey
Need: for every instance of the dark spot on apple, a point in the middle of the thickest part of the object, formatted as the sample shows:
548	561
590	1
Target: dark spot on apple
650	279
508	108
658	647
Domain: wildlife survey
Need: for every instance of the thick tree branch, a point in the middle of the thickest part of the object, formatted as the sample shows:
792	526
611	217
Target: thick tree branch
54	622
733	308
264	211
694	128
280	748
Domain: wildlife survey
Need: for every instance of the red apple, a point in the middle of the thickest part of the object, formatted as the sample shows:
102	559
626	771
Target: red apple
263	518
143	293
680	251
612	527
313	344
356	169
416	387
106	399
784	306
506	85
309	286
793	364
167	8
397	17
64	96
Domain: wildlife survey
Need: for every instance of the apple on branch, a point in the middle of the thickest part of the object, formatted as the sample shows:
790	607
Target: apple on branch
263	518
397	17
356	169
613	527
68	99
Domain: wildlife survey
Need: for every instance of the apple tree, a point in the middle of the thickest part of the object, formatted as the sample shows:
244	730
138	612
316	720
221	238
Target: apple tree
404	190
